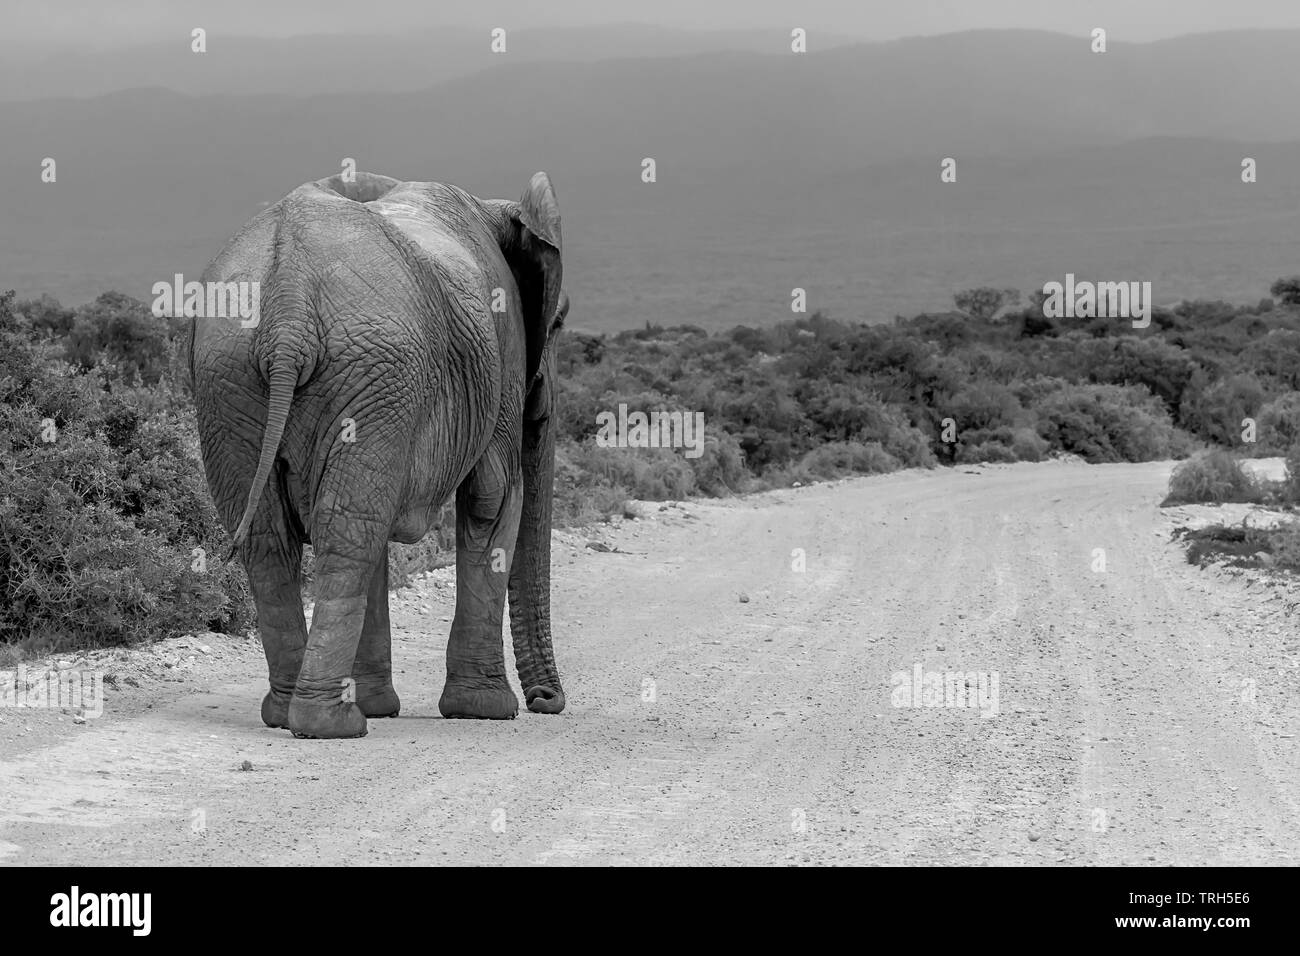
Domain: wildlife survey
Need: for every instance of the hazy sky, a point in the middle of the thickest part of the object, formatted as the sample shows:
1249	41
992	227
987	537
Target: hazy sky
113	22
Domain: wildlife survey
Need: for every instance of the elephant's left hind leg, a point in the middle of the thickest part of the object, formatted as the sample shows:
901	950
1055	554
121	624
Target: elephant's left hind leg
273	563
373	668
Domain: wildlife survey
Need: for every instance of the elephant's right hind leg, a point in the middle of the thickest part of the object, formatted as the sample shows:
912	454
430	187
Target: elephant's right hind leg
273	563
349	548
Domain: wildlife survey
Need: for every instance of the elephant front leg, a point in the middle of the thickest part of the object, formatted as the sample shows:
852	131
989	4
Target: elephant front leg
487	521
372	671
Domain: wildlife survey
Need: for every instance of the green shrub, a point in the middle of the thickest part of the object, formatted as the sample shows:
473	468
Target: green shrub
839	412
987	451
123	334
1287	289
45	316
1165	369
903	442
1029	445
840	459
1278	425
1215	412
1106	423
581	494
1211	477
653	474
1001	444
983	406
107	532
1284	545
720	469
1275	356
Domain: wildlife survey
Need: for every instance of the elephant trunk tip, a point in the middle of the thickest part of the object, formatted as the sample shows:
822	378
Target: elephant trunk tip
544	700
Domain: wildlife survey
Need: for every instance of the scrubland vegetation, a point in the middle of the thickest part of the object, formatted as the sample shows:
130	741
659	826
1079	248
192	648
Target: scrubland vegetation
108	535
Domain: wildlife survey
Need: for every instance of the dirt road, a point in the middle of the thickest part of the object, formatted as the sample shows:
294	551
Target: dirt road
725	707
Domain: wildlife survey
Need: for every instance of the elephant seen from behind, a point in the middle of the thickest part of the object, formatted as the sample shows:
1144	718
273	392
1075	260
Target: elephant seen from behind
403	352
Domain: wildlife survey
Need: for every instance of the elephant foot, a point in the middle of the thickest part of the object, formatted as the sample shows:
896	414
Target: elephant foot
544	700
275	709
478	699
327	721
379	702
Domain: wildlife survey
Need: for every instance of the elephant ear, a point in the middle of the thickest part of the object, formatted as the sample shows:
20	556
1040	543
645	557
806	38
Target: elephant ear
534	257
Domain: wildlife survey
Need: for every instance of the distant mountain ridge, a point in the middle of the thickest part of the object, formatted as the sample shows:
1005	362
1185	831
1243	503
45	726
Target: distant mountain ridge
773	169
305	65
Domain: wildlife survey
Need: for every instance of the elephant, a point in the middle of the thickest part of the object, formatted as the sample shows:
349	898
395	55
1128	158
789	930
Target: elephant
403	351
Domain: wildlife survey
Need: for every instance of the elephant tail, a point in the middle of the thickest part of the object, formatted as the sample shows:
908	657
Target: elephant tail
283	380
